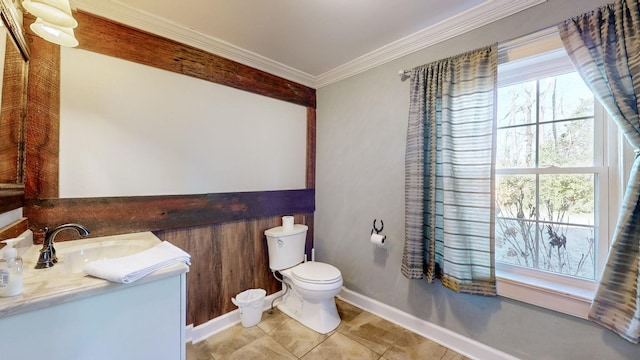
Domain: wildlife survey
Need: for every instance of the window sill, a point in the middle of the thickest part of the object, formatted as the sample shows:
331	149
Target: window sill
563	298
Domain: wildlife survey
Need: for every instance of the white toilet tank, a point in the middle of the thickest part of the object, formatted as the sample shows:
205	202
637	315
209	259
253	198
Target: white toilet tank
286	246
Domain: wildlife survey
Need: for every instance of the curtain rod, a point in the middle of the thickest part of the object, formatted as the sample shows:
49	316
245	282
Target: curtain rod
507	44
404	74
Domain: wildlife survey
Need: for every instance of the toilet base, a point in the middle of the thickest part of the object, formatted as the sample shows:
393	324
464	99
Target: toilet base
320	316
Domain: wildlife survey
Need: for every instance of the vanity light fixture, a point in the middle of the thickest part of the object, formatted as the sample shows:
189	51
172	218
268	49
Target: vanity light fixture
56	12
53	33
54	21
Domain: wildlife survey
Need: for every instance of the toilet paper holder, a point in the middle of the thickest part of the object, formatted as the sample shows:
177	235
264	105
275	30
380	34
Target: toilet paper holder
376	228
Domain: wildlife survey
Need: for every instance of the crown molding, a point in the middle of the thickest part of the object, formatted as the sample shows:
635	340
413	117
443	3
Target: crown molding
480	15
471	19
117	11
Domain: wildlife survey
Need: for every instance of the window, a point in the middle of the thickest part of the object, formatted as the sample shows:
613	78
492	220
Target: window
553	178
546	176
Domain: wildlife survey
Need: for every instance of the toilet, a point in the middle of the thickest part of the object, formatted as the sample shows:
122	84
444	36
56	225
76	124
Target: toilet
310	286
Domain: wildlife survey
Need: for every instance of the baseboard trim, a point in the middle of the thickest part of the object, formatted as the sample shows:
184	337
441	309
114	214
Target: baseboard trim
454	341
221	323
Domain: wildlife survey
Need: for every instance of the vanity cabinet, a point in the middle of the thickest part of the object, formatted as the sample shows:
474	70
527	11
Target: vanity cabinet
127	322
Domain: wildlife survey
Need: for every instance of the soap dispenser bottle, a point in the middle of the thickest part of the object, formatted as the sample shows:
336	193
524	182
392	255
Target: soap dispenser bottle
10	270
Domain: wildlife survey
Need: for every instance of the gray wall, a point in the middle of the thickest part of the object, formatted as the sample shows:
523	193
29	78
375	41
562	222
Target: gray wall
361	134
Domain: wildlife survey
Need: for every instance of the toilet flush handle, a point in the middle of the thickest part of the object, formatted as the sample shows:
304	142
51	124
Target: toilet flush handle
280	242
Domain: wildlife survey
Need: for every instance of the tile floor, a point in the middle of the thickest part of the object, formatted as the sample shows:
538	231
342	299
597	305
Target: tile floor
361	335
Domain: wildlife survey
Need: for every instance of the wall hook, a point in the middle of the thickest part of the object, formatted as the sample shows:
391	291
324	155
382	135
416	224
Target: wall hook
375	228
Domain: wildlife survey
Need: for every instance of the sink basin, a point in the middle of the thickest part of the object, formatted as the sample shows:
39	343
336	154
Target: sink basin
71	259
73	255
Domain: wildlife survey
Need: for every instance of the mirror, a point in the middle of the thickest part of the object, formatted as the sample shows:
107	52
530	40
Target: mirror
45	203
135	130
14	53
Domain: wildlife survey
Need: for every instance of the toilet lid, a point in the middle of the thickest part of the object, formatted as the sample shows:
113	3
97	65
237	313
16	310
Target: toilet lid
313	271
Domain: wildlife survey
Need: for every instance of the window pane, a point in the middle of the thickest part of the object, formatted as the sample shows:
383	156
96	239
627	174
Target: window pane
517	104
563	241
515	242
556	248
567	250
567	143
567	198
516	147
516	196
564	97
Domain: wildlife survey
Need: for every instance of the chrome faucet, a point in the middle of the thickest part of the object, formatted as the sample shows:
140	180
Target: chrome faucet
48	256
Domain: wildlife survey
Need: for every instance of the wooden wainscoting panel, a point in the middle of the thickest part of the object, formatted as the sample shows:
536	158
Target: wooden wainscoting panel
205	262
226	259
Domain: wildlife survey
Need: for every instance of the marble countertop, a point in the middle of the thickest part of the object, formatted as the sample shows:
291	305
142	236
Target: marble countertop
46	287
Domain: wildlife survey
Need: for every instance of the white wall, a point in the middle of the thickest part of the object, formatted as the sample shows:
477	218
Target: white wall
361	133
127	129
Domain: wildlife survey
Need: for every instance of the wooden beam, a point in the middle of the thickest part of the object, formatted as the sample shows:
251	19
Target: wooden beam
119	215
311	148
113	39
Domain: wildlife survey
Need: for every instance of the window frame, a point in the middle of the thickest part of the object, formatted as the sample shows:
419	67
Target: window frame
613	159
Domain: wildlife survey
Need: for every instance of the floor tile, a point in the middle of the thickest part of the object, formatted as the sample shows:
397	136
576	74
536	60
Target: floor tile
339	347
411	346
264	348
199	351
371	331
297	338
231	340
271	322
347	311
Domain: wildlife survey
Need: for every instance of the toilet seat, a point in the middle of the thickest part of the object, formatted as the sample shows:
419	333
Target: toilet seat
316	273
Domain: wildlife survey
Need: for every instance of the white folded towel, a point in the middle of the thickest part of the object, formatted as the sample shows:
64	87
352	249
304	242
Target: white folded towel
130	268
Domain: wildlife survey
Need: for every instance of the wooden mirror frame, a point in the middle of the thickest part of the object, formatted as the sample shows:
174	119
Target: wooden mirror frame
114	215
14	111
10	16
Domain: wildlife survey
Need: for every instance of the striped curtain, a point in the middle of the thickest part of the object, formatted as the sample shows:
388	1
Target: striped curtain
604	45
449	173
